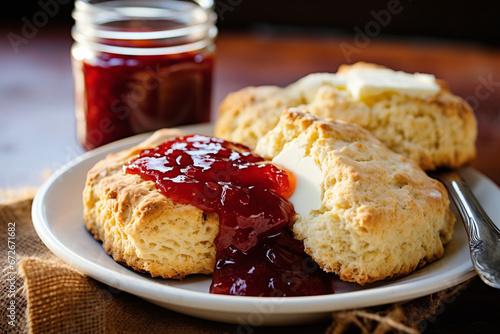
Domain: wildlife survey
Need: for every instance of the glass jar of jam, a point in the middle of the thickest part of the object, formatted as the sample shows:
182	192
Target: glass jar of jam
141	65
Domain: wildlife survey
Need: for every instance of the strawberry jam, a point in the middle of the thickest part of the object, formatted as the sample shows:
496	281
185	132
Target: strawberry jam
256	254
123	95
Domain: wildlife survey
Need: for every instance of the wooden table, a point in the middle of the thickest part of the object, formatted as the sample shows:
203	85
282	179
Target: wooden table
37	125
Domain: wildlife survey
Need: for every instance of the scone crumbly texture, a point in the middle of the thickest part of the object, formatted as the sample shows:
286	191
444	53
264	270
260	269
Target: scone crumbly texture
380	217
435	131
141	227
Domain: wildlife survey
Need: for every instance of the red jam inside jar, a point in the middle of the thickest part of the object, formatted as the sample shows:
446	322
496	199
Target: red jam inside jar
256	254
127	95
135	74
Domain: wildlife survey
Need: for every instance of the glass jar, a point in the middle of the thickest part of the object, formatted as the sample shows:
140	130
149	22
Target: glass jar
141	65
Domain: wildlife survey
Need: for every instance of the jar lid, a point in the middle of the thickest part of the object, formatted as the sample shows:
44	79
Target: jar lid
144	27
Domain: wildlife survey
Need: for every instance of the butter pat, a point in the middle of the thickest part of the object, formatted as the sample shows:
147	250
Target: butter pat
308	192
362	83
319	79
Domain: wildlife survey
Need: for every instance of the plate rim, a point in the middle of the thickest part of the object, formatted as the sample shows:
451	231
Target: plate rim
187	298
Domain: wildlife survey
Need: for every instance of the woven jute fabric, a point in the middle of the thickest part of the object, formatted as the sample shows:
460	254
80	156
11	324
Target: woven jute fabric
52	297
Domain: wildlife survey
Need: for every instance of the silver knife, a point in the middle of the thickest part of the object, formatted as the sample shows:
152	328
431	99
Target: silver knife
484	236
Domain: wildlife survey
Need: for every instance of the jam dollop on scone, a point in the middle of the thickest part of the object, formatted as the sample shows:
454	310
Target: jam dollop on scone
413	114
256	255
378	216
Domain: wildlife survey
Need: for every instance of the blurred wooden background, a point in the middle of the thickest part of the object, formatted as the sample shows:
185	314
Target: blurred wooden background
460	20
260	42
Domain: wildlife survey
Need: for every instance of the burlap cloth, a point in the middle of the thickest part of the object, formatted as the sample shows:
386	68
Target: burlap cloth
52	297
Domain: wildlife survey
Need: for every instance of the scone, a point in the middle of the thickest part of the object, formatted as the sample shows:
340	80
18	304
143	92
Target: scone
426	123
379	216
141	227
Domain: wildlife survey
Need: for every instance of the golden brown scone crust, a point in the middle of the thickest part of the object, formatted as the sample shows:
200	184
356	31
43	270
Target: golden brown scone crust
435	131
142	228
380	217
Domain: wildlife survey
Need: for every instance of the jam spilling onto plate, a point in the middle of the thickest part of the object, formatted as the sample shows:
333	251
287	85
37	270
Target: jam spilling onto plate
256	253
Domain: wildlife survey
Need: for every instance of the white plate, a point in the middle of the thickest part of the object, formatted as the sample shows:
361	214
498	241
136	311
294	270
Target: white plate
57	217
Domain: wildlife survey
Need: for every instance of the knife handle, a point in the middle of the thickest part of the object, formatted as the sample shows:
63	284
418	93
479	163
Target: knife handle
484	236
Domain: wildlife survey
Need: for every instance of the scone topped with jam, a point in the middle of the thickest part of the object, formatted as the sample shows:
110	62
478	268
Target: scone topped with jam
141	227
415	115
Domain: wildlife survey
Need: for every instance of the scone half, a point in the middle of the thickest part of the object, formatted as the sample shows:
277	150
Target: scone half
434	130
380	215
142	228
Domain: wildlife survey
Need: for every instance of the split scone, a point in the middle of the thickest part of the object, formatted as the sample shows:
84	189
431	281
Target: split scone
413	114
378	216
142	228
